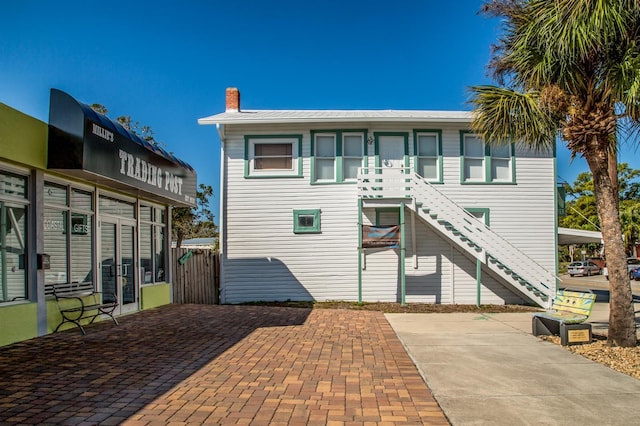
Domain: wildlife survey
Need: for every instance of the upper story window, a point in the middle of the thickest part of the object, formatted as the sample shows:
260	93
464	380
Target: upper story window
500	163
428	154
485	163
273	156
325	158
337	155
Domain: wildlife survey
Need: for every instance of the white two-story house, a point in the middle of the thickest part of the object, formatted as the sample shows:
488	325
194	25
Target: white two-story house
400	206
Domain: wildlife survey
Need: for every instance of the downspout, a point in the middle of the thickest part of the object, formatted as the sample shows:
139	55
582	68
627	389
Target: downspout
403	251
359	250
414	241
221	230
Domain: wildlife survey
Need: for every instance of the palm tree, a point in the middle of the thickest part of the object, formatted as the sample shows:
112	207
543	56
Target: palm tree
570	68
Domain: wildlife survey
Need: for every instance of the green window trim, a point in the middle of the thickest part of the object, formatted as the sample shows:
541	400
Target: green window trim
416	157
487	164
306	221
338	134
485	213
296	156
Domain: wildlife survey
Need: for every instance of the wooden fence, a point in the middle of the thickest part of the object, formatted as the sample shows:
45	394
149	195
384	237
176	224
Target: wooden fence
196	276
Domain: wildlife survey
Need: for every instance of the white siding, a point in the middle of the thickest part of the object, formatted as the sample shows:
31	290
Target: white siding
264	260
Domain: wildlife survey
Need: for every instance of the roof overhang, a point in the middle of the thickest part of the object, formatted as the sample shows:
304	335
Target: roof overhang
578	236
90	146
335	116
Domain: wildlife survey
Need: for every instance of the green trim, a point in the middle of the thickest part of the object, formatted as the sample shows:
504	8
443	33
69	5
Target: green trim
339	154
487	164
275	177
247	172
403	255
478	282
438	132
376	136
300	229
484	210
359	250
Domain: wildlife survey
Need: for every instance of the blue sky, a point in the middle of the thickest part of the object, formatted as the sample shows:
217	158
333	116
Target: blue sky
168	63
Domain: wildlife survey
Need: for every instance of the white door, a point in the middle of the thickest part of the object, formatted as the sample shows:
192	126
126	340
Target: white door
391	151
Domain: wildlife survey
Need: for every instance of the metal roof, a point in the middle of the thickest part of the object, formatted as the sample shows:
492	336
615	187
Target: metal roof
578	236
333	116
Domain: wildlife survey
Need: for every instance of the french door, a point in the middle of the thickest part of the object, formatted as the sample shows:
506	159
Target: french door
118	262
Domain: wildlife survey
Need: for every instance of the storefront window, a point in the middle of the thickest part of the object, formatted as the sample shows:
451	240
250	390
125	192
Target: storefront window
55	245
159	252
68	234
13	232
115	207
146	252
81	247
152	244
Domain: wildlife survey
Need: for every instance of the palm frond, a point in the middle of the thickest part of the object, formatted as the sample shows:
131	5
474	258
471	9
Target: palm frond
503	115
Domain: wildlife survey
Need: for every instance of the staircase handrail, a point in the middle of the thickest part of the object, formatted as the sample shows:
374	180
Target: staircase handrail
486	237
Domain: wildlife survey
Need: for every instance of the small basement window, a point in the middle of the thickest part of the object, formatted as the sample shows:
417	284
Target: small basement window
306	221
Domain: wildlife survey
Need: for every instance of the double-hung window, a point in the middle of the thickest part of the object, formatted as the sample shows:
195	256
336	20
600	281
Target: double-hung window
474	160
325	158
273	156
337	155
428	154
500	163
352	154
485	163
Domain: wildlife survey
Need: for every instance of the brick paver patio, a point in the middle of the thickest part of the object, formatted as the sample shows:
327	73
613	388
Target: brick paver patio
197	364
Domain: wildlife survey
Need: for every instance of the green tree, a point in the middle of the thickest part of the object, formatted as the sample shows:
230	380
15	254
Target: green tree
582	211
570	67
194	222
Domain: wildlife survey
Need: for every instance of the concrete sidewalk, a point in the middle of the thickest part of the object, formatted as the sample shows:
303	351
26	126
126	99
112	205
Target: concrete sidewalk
488	369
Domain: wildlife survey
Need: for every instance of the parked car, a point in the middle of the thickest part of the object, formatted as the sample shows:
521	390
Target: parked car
633	269
584	268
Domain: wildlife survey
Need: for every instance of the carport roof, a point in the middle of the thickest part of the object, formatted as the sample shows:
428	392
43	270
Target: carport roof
578	236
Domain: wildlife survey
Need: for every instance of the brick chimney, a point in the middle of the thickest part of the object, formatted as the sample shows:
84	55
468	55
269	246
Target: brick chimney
233	99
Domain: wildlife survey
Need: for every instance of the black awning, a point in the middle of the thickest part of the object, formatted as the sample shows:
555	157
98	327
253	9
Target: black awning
89	145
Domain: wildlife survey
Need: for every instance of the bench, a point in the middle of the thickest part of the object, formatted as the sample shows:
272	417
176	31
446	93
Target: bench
80	301
569	311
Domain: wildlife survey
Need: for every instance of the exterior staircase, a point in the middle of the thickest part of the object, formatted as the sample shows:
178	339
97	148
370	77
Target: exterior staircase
459	226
